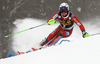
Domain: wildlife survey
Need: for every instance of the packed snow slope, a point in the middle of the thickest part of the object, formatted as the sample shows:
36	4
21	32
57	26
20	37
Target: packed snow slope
79	51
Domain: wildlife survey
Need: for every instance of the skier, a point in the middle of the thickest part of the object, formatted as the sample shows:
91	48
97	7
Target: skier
67	20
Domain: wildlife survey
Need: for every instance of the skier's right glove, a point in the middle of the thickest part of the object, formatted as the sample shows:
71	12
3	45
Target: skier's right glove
85	34
51	21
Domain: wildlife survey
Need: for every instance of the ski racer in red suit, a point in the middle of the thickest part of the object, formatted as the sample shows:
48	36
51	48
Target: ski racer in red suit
67	20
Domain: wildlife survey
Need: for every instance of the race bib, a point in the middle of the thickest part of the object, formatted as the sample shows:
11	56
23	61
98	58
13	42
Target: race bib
63	22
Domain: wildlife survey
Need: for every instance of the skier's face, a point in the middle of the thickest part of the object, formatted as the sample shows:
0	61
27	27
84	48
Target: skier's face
64	13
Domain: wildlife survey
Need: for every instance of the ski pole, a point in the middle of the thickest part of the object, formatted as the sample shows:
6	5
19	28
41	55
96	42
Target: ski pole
52	21
95	34
25	30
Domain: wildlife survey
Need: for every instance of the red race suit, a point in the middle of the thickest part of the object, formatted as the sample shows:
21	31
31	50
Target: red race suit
64	29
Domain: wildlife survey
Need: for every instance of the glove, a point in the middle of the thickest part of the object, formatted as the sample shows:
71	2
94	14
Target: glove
85	34
51	21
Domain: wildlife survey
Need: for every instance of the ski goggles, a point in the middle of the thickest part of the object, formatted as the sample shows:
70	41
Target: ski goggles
63	9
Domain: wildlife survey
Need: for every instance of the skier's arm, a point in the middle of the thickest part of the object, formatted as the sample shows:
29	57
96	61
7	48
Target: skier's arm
78	23
55	16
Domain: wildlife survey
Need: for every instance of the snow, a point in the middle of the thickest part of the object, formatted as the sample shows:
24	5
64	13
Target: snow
78	51
3	7
42	1
79	9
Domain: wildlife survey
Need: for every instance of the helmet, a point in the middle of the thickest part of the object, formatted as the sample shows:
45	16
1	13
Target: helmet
64	6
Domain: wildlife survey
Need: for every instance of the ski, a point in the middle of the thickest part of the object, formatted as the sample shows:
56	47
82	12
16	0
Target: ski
13	53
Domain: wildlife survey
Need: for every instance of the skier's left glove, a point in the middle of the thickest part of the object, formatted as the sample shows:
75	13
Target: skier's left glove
85	34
